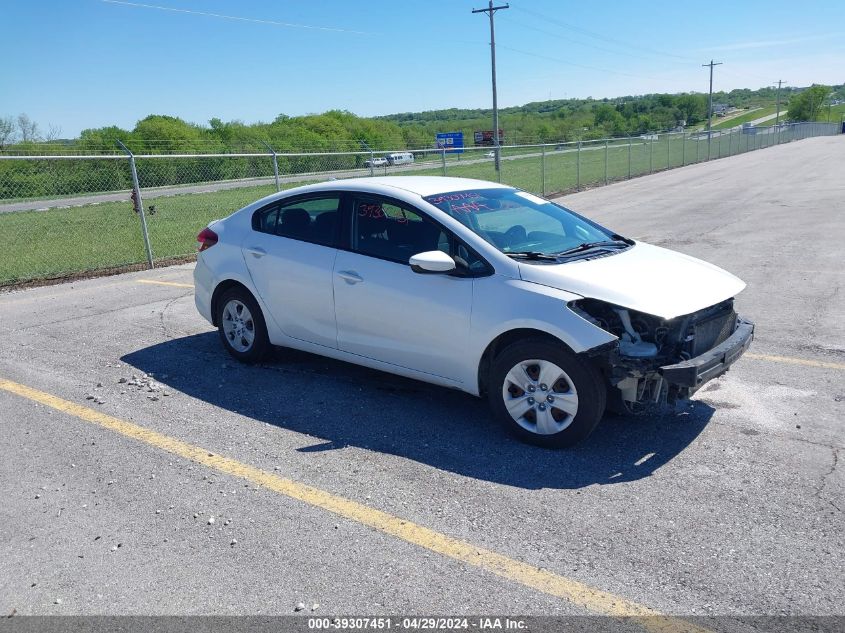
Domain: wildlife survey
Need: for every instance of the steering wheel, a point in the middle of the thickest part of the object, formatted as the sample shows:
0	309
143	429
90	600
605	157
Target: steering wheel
516	234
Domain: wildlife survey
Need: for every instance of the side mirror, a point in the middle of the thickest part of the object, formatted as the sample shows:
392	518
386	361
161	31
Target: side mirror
432	262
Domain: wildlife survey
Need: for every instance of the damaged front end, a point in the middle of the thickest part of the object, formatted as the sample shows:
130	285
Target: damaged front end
656	360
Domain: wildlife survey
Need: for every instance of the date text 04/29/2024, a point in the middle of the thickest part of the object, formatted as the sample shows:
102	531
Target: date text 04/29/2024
415	623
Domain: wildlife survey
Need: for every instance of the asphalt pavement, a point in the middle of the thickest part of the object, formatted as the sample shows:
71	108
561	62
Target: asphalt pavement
341	490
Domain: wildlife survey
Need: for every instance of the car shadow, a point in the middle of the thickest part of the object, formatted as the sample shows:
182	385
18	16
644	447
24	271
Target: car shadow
349	405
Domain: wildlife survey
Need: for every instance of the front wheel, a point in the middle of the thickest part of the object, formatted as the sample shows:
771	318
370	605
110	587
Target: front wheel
545	394
241	326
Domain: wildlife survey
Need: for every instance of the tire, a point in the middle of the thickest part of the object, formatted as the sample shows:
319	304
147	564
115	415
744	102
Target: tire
553	415
241	326
616	405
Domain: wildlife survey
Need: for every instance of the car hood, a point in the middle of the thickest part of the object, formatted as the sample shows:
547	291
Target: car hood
645	278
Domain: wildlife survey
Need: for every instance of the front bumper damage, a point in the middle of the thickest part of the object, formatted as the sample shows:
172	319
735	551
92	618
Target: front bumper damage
693	373
636	382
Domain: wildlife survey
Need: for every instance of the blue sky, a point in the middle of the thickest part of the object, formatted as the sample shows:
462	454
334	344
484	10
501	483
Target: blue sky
89	63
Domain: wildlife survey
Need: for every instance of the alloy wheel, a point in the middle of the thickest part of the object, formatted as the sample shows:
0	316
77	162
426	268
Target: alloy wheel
238	325
540	396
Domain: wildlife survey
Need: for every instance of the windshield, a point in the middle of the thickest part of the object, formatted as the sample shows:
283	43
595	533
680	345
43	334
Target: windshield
515	221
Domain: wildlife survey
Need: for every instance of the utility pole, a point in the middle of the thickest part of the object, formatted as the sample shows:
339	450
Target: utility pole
777	118
490	11
710	107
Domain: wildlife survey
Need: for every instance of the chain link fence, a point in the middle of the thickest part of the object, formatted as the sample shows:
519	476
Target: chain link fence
66	215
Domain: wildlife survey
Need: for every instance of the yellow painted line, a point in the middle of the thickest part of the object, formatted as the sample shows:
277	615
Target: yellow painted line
578	593
164	283
796	361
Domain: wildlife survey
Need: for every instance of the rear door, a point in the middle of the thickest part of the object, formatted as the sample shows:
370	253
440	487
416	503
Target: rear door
290	253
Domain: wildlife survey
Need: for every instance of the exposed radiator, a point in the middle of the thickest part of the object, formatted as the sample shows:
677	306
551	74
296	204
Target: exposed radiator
712	331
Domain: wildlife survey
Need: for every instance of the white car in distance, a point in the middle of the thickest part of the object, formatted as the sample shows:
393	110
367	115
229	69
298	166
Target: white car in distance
377	161
471	285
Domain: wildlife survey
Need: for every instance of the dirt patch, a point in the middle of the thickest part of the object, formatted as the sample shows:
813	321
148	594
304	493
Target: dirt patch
823	350
723	405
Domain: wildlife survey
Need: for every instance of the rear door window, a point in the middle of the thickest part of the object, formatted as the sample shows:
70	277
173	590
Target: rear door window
315	220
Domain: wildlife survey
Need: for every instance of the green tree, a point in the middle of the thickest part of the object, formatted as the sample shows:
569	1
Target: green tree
160	133
806	105
693	107
103	139
610	120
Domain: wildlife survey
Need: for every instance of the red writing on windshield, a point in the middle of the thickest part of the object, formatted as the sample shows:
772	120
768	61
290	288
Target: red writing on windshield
452	197
469	207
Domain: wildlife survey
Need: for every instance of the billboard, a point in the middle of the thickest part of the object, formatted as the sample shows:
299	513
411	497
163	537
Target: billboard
452	141
485	137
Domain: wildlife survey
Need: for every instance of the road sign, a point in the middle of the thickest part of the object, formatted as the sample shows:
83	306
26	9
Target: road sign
485	137
453	142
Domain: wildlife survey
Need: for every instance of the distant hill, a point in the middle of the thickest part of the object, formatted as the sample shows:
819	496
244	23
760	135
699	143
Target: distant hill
581	119
338	130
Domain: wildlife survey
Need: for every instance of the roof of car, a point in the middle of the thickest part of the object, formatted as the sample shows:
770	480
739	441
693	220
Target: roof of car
420	185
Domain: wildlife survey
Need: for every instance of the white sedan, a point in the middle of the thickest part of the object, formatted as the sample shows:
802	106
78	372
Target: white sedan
471	285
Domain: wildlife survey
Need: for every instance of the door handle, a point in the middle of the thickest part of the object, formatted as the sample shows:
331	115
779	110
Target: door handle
350	276
256	251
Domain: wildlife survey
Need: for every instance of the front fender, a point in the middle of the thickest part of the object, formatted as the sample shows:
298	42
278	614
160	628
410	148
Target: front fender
503	305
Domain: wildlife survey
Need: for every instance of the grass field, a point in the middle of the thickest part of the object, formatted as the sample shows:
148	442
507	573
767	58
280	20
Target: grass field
836	114
772	121
726	121
745	118
56	242
60	241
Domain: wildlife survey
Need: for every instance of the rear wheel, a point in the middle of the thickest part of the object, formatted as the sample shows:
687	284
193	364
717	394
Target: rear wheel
545	394
241	326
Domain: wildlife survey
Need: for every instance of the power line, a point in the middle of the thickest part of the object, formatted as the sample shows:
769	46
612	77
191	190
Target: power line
599	36
491	12
576	65
570	40
238	18
330	29
746	76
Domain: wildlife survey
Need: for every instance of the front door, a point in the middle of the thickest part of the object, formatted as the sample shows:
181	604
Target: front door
387	312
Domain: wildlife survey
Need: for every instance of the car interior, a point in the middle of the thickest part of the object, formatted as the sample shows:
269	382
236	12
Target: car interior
317	226
395	237
393	233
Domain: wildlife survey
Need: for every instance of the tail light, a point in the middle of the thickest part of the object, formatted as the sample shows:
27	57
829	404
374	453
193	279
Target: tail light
207	238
